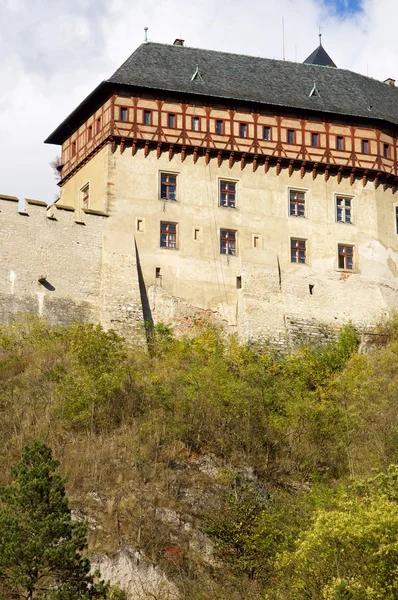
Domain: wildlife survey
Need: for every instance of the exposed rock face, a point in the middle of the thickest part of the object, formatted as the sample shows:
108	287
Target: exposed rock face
129	570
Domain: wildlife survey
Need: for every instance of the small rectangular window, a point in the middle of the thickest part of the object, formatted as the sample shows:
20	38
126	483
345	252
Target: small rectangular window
195	124
123	113
365	146
196	234
346	257
239	282
228	194
266	133
168	235
386	150
219	127
291	136
171	120
242	130
98	125
74	148
89	132
228	242
343	209
396	219
298	251
168	186
296	203
140	225
256	241
339	142
85	196
315	139
147	117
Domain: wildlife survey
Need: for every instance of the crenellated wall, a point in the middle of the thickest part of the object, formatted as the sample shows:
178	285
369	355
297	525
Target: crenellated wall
53	264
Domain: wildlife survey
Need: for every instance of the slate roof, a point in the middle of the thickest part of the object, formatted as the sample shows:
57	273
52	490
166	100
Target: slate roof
243	78
320	57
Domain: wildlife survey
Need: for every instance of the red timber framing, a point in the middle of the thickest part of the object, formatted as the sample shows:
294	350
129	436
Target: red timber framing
329	156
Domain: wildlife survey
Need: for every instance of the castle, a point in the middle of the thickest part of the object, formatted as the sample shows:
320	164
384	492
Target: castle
202	185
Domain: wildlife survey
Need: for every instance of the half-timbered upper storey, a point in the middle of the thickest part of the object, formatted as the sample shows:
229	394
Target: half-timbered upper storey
172	96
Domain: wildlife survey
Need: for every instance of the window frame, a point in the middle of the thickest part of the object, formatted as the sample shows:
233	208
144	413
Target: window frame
89	133
340	138
268	137
171	120
343	256
195	120
365	146
98	125
243	130
169	243
315	137
123	114
219	124
297	202
290	133
147	117
386	150
230	203
297	246
396	218
84	196
168	185
344	197
230	243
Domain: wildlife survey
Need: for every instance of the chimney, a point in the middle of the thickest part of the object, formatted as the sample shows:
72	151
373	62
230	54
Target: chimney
178	42
389	81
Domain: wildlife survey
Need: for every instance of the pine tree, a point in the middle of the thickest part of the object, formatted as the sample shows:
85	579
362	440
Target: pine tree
40	545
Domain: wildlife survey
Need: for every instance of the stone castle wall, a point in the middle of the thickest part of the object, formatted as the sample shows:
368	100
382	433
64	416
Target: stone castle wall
54	266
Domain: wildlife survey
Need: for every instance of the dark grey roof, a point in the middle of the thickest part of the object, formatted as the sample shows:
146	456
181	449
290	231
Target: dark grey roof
245	79
260	80
320	57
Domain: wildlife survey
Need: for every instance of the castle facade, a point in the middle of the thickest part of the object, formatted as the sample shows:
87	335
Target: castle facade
200	185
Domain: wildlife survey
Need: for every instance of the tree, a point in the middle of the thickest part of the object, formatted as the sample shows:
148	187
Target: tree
40	545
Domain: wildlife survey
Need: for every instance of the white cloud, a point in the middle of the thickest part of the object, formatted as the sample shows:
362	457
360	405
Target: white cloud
55	53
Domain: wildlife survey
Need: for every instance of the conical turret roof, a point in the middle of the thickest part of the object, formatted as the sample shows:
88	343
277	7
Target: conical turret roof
320	57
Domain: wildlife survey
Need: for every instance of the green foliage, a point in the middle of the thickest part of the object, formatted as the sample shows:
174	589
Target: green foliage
316	428
39	544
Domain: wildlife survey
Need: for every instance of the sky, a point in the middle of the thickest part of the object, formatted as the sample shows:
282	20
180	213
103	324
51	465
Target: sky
53	54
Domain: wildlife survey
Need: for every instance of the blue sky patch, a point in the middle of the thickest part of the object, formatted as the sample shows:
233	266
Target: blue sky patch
344	7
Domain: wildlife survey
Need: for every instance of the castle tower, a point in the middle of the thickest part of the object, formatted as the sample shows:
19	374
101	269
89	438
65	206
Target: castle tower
253	192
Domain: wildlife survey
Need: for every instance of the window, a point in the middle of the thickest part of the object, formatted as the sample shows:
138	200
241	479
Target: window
195	124
315	139
339	142
298	251
239	282
266	133
228	194
168	235
396	219
85	196
168	186
228	242
256	241
242	130
140	224
343	209
365	146
147	117
73	148
291	136
98	125
386	150
89	132
123	113
346	257
219	127
171	120
297	203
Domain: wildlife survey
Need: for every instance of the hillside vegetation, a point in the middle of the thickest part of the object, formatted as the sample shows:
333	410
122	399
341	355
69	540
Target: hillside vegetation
240	472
